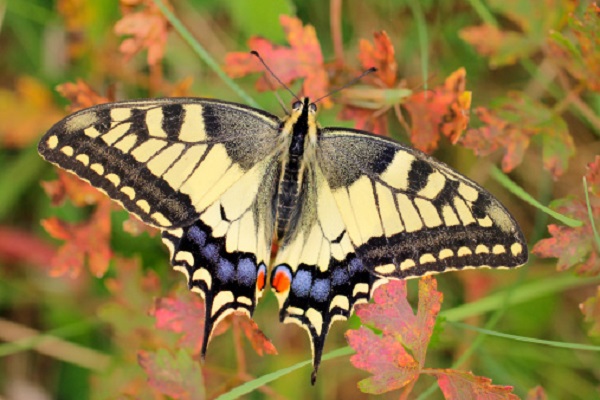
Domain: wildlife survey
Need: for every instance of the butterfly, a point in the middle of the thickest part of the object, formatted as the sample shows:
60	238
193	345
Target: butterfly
347	209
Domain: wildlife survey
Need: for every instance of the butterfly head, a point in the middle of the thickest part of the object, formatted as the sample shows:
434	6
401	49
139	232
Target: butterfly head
302	121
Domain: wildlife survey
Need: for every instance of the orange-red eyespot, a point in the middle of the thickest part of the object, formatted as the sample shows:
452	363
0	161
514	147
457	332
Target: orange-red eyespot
261	277
281	278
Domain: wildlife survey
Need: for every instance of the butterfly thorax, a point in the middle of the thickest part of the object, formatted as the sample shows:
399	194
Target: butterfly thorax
301	128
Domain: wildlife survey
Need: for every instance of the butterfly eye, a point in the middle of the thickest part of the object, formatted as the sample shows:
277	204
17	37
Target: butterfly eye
297	105
312	107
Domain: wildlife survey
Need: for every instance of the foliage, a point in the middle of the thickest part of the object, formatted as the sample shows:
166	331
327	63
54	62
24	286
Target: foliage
533	79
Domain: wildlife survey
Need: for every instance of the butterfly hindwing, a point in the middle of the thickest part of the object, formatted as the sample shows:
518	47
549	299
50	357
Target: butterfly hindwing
409	215
164	160
225	253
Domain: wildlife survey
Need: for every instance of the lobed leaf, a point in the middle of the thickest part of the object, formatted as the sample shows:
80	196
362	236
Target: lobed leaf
512	123
147	27
441	111
303	59
462	385
177	376
85	243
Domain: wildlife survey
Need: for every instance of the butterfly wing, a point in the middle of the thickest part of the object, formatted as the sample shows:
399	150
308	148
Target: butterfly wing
409	215
203	171
372	209
164	160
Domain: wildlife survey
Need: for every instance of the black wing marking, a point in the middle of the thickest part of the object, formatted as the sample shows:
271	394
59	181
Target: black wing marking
164	160
409	215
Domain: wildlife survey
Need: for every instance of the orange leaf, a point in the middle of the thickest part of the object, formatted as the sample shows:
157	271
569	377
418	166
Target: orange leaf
444	110
81	95
303	59
68	185
259	341
26	112
512	123
148	28
365	119
380	55
87	241
460	385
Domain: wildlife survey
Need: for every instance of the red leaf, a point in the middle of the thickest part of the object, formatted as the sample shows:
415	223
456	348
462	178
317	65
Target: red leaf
380	55
259	341
392	314
591	309
462	385
87	241
148	28
512	123
177	376
593	176
303	59
385	357
365	119
572	246
443	110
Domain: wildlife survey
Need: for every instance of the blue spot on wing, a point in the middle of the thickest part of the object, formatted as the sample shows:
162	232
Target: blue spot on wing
196	235
211	252
320	289
246	272
225	270
339	277
301	283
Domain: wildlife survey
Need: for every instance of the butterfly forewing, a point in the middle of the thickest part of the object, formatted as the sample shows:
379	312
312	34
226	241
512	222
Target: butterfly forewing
164	160
409	215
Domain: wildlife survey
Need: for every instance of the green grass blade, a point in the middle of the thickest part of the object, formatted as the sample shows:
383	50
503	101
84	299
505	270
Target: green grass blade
254	384
563	345
591	214
524	293
515	189
203	54
417	12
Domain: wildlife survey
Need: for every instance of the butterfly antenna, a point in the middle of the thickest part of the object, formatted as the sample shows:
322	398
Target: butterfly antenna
352	82
255	53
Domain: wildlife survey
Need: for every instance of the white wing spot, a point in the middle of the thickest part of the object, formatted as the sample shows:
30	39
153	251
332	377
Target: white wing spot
83	158
385	269
52	142
480	249
464	251
516	249
498	249
68	150
407	264
97	168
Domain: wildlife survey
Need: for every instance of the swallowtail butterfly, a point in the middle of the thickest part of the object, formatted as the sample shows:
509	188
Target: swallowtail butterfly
222	181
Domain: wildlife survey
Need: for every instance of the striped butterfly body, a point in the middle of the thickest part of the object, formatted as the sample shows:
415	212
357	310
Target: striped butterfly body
347	209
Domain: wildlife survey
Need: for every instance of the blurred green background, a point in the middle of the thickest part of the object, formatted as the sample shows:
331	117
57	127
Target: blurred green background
44	43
